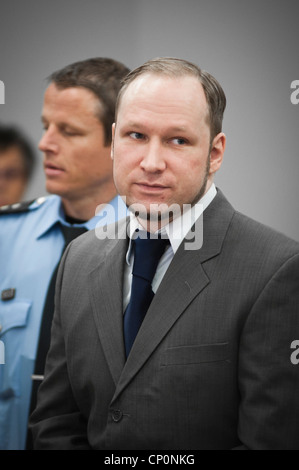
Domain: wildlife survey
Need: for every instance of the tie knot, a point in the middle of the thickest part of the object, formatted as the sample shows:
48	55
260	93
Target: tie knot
147	253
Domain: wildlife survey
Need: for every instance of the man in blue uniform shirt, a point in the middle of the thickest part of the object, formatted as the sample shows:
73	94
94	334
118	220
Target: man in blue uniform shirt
77	117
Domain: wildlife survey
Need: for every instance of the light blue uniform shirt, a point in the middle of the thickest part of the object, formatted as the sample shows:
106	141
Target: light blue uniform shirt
31	244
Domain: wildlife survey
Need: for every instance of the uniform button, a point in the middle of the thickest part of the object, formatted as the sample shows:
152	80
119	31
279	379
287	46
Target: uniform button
117	415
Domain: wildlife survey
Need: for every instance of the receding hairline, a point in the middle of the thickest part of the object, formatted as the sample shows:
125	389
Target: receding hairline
169	76
147	72
176	68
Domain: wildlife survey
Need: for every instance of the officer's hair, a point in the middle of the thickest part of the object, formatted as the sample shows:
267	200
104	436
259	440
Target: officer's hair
100	75
13	137
176	68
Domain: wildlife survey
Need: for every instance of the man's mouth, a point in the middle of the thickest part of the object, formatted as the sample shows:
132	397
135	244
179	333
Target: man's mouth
151	187
52	170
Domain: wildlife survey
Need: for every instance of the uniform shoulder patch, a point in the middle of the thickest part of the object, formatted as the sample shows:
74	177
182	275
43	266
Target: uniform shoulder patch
20	207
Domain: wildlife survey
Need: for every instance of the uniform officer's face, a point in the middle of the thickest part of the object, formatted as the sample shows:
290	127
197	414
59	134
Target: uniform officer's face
161	149
76	160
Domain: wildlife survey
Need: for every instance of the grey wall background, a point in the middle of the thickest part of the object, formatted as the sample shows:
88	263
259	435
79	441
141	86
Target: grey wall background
250	46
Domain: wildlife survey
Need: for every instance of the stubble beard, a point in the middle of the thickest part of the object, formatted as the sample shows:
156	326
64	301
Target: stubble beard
160	213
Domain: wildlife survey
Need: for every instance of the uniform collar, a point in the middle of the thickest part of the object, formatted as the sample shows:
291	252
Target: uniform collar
53	213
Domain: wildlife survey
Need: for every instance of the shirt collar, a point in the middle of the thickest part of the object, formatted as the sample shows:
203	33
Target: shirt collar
177	229
54	214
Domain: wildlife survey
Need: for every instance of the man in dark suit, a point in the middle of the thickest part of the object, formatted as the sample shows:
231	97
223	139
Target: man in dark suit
209	365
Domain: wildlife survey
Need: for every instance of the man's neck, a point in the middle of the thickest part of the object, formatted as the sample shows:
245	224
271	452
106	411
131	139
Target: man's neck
72	220
84	208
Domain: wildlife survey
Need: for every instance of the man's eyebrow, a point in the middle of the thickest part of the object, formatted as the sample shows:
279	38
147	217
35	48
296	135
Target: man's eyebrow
139	125
133	124
178	129
61	125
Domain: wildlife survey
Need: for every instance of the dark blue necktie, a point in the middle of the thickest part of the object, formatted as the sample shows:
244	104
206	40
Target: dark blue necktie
147	253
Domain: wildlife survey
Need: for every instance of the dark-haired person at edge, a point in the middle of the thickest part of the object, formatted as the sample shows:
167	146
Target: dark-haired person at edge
17	162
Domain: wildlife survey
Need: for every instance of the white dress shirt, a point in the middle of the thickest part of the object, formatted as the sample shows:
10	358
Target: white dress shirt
176	232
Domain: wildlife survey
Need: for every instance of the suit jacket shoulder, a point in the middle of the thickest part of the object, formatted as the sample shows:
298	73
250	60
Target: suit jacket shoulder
260	240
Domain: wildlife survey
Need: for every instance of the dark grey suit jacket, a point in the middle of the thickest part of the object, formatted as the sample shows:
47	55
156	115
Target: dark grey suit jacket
210	367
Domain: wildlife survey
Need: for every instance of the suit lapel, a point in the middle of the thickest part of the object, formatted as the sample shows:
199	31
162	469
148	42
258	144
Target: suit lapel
175	293
106	293
183	281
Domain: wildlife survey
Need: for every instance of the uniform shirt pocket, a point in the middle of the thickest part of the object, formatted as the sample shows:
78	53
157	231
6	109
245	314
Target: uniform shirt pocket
13	314
195	354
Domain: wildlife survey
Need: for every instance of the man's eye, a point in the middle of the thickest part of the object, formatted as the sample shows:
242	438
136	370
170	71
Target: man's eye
69	133
179	141
136	135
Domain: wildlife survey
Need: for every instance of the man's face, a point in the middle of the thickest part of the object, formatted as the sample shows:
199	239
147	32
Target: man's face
12	176
161	150
76	160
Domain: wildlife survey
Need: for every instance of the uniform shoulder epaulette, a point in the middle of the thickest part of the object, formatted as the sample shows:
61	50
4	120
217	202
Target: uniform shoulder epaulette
20	207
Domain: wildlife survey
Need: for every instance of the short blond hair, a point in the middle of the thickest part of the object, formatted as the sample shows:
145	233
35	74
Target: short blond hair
173	67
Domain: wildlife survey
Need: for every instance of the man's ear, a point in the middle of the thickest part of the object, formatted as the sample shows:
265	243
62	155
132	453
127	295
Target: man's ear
112	143
217	152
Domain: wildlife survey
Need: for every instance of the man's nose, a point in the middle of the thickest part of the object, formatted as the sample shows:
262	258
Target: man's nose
153	160
48	142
